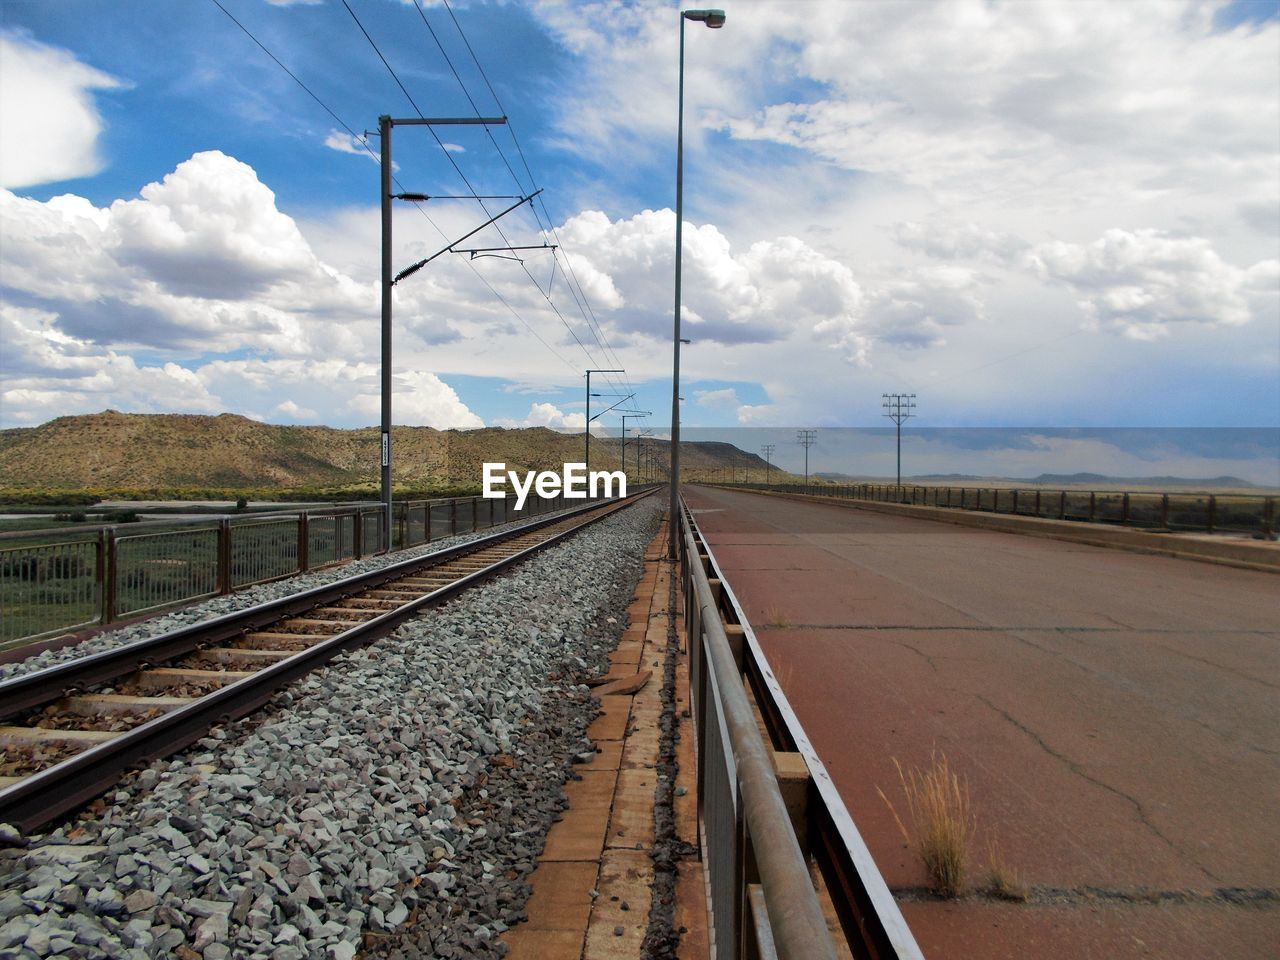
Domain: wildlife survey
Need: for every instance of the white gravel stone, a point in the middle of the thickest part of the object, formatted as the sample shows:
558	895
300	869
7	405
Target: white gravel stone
414	778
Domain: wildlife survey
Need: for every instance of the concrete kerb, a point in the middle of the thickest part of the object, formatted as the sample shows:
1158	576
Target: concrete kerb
1249	556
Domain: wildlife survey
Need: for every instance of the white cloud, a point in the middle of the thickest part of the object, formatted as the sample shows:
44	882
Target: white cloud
1143	281
760	413
345	143
949	241
294	412
726	398
915	309
48	374
203	260
49	124
986	100
770	291
345	390
548	415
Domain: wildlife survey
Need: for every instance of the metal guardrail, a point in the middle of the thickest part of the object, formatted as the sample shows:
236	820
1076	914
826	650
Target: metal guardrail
55	582
762	901
1191	512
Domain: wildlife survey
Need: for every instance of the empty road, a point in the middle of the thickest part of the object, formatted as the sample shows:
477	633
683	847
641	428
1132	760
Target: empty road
1114	714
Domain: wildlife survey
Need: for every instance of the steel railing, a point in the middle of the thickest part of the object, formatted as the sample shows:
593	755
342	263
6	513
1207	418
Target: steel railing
762	901
1189	512
56	582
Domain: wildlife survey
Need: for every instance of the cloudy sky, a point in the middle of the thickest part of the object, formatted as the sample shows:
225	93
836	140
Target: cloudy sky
1027	213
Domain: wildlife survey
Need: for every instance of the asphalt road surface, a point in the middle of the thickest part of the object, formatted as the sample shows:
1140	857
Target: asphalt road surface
1115	715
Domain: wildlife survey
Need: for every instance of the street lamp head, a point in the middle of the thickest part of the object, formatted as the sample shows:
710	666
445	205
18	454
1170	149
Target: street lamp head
712	18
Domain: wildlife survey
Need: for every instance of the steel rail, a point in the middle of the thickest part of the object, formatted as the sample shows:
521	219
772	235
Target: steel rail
794	915
43	797
30	690
872	922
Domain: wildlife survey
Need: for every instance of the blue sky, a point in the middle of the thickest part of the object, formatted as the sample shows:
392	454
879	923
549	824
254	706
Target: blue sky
1028	214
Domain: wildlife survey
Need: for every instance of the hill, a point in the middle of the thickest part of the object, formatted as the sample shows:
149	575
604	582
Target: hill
1085	481
112	451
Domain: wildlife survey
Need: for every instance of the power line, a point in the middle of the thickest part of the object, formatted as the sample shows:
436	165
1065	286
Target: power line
459	171
580	293
337	119
390	69
444	53
363	141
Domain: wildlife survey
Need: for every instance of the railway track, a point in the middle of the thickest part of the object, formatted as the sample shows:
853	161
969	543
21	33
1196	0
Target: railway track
71	731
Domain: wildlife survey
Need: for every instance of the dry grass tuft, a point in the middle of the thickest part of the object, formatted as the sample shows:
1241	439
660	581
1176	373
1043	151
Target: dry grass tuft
774	617
942	822
1003	881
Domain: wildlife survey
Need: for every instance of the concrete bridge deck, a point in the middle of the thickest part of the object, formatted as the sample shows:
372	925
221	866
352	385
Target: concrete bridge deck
1114	714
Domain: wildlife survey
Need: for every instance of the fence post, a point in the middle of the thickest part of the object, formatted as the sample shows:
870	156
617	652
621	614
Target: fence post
1037	501
111	575
1164	510
100	576
1124	510
1093	505
426	527
1062	505
357	534
1015	501
224	556
1213	512
453	516
475	521
1269	518
304	542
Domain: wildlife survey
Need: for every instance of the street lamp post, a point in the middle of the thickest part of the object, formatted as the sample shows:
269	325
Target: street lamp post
713	19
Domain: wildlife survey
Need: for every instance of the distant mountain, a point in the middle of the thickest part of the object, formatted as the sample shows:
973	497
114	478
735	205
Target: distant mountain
130	451
1095	480
1088	479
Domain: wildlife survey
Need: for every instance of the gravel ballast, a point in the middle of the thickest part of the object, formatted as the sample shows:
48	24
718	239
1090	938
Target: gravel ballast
240	600
394	802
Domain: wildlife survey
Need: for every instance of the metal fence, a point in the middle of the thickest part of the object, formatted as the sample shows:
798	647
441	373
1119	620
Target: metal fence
60	581
1188	512
762	900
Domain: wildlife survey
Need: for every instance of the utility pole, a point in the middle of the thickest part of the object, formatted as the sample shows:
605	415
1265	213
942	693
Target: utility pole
806	439
586	429
899	406
632	415
385	123
767	450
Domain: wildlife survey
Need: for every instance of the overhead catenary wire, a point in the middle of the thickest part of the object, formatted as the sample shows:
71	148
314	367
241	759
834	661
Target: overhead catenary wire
572	281
596	330
363	141
386	63
324	106
566	267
